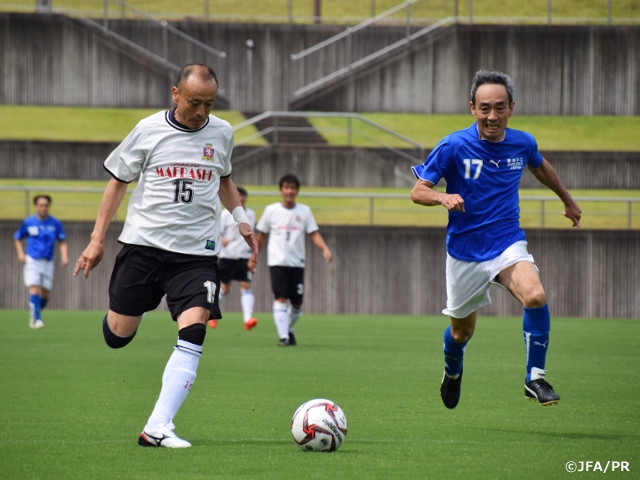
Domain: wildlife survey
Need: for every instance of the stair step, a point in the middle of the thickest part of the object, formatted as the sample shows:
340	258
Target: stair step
290	130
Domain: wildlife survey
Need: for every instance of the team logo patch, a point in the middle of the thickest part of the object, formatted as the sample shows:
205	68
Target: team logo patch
210	245
207	152
515	163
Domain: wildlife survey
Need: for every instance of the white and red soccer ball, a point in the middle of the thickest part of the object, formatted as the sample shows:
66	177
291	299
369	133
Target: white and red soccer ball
319	425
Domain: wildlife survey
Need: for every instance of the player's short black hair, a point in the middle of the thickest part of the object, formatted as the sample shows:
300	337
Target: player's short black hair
289	178
204	71
38	197
484	76
242	191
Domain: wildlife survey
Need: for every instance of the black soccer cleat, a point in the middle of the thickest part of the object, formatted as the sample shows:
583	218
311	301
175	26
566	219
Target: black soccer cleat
450	389
284	342
540	390
292	339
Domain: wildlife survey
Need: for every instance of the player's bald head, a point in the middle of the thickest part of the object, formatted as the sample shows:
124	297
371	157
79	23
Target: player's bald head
203	72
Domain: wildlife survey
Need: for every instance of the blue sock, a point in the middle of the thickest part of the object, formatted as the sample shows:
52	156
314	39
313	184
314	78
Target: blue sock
453	353
536	324
35	306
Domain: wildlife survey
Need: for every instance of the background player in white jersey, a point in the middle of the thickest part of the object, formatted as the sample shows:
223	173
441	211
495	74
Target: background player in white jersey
171	235
286	224
42	231
233	263
482	166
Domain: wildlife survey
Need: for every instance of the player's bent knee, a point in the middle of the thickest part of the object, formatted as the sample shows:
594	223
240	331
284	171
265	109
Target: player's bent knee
535	300
193	333
113	340
461	335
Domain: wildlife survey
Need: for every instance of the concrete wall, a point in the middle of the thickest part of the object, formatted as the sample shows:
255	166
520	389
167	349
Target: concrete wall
50	59
316	165
385	271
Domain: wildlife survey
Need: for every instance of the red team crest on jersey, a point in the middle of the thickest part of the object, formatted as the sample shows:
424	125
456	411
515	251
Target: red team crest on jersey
207	152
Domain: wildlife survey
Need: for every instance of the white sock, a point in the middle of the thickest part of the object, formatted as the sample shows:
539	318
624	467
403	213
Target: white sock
248	301
178	377
294	316
537	373
221	298
281	319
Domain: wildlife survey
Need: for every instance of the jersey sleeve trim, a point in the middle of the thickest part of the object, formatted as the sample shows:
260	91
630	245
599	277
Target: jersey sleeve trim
118	179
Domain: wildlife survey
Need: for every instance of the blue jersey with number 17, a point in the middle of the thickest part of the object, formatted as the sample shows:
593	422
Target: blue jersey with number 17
487	177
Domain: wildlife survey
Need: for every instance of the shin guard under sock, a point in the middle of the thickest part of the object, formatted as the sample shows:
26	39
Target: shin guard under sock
536	325
453	353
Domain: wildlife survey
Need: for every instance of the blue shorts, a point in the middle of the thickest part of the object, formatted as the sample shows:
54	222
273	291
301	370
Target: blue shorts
143	275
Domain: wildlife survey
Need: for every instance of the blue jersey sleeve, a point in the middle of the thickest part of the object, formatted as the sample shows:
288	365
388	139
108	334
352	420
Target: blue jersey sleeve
21	232
436	164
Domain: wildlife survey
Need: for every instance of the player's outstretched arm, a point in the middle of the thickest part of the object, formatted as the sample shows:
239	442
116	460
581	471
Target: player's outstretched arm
424	194
64	253
230	198
550	179
111	200
319	242
20	251
247	232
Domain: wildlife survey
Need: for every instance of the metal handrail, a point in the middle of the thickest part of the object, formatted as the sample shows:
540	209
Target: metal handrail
347	115
29	190
350	31
384	52
346	35
139	49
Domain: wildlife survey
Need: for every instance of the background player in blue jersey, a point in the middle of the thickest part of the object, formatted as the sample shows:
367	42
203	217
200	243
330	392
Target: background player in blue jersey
482	166
42	231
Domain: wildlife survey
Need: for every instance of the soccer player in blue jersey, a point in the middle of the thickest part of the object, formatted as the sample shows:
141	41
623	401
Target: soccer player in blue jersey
482	166
42	231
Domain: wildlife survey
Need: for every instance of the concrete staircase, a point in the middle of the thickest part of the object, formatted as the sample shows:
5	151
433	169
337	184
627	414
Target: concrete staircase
290	130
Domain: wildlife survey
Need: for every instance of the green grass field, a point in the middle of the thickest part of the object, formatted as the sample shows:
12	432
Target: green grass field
338	11
72	408
598	133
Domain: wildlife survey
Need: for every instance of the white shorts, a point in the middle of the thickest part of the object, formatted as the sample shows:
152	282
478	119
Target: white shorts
468	283
38	272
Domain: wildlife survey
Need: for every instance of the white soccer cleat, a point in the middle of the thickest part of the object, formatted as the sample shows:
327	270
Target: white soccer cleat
38	324
161	437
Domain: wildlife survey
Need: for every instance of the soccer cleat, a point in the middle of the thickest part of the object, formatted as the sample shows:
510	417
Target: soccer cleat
292	339
284	342
161	437
38	324
213	323
450	389
539	389
249	324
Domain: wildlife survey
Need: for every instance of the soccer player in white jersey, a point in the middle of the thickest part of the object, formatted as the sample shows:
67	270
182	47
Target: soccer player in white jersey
482	166
171	236
42	231
286	225
233	263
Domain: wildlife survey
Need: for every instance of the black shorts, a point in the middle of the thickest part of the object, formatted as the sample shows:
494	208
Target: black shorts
288	282
230	269
143	275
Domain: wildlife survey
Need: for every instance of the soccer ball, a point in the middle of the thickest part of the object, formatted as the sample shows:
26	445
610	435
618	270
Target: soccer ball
319	425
